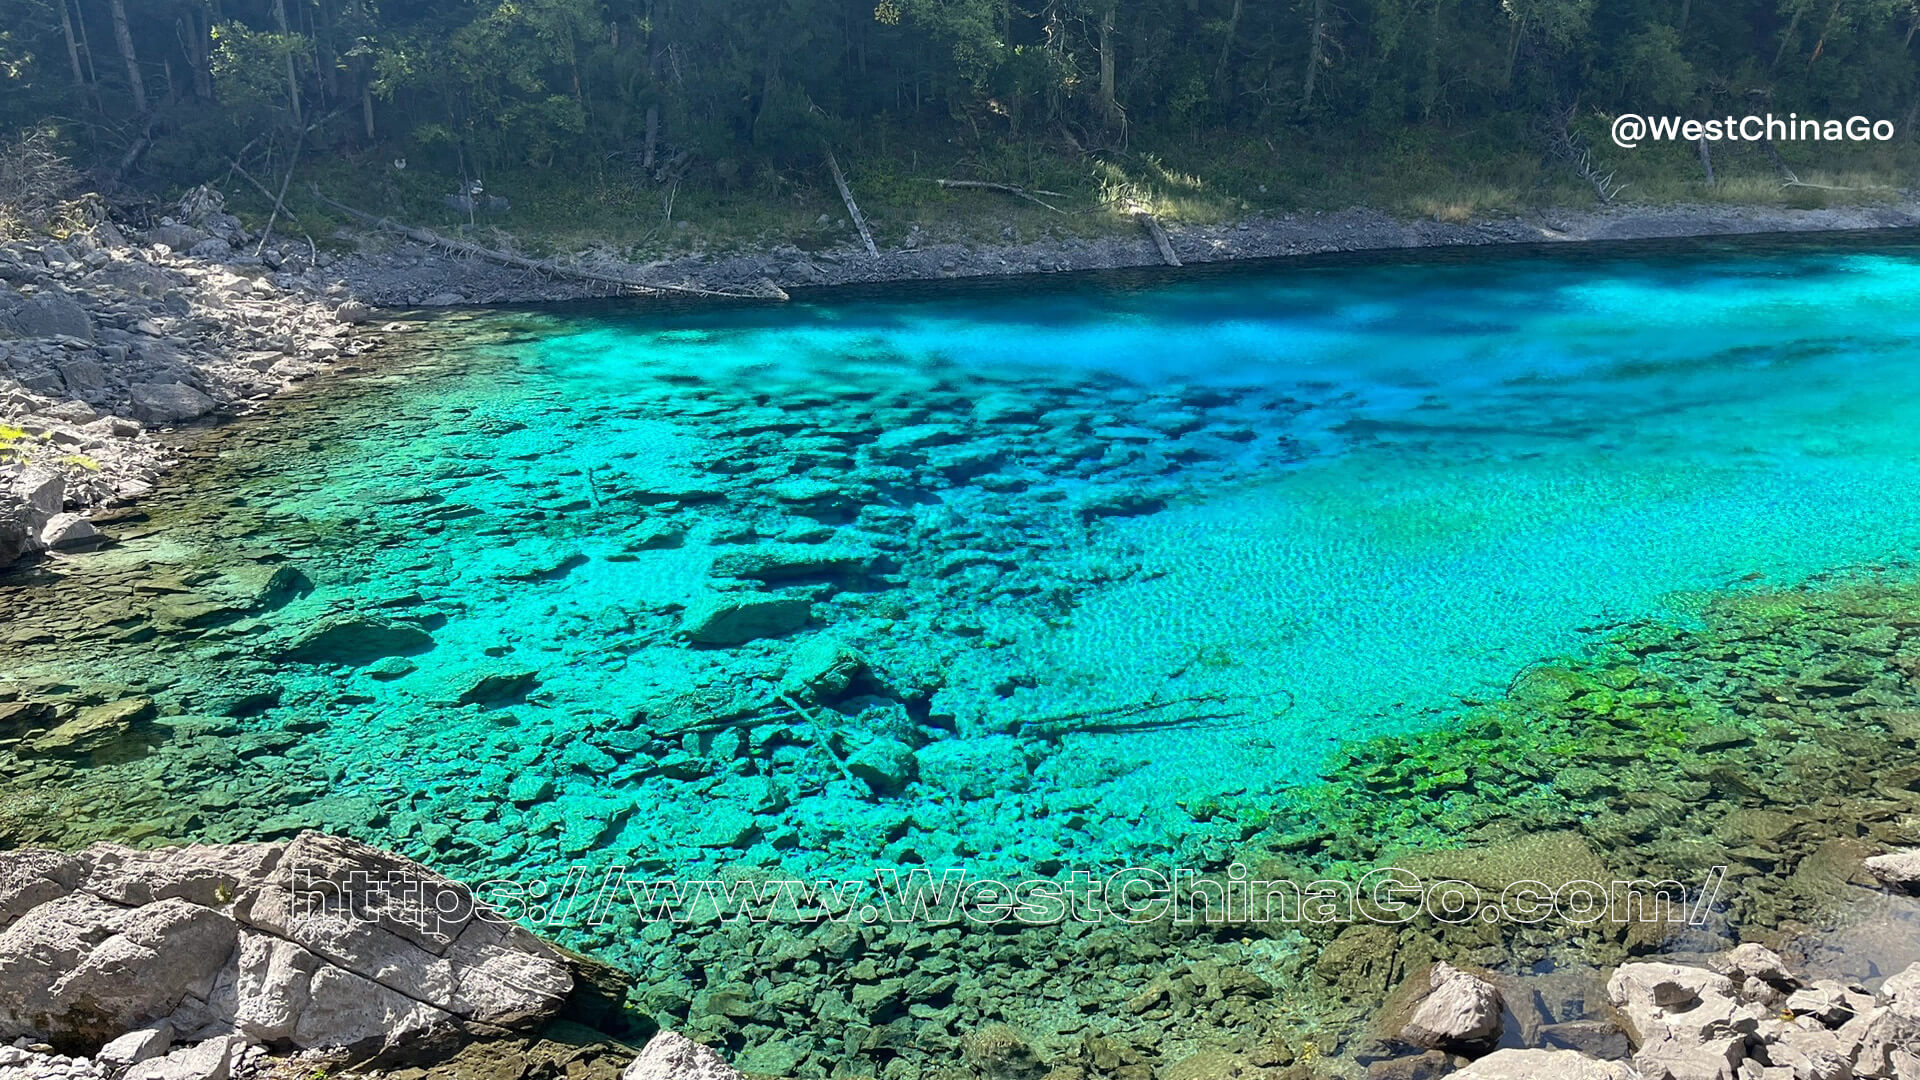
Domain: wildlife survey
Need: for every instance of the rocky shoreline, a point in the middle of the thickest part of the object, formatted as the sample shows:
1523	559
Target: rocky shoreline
407	274
323	955
107	340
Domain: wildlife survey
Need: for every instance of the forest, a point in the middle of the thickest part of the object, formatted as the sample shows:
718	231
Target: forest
567	108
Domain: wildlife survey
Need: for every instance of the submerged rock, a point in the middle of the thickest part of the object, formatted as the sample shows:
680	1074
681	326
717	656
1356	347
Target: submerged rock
355	640
737	618
497	686
885	765
822	669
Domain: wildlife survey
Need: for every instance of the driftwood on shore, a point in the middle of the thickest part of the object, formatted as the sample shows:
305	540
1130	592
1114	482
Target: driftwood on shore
1152	225
853	208
1007	189
766	291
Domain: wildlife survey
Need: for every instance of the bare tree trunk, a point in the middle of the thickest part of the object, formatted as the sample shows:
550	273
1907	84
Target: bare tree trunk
1108	105
86	51
1706	160
1686	12
73	44
200	50
1513	53
853	208
123	37
1786	38
653	135
1316	53
1430	89
366	106
293	76
1221	89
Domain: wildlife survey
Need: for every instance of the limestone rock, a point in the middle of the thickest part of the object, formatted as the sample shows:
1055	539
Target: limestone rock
137	1045
1898	870
49	313
1756	961
168	403
353	313
208	1060
355	640
86	970
1688	1022
68	530
1542	1065
1461	1012
737	618
672	1056
321	942
886	765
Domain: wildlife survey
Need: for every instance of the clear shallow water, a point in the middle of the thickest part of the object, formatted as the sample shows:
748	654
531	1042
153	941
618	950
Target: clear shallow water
1279	507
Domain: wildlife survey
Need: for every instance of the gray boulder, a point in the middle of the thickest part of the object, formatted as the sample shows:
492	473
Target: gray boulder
1542	1065
19	530
84	377
42	490
136	1046
48	313
321	942
1897	870
211	1059
672	1056
1461	1012
68	530
1688	1022
168	403
85	971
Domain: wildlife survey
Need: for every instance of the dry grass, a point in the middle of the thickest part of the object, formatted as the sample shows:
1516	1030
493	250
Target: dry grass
35	182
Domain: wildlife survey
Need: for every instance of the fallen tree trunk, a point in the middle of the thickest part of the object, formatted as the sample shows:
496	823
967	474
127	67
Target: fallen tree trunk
1152	225
846	196
1009	189
767	291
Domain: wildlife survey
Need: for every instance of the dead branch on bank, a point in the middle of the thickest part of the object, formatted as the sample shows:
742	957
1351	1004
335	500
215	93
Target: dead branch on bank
846	196
767	290
1007	189
1152	225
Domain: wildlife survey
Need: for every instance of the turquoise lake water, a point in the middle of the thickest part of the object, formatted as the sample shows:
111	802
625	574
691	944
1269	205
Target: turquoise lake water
1110	548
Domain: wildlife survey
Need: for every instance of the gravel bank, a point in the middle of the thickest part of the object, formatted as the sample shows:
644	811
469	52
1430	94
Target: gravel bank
409	275
106	340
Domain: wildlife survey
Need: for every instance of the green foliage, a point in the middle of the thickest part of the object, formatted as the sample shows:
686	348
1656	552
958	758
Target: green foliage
1429	107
